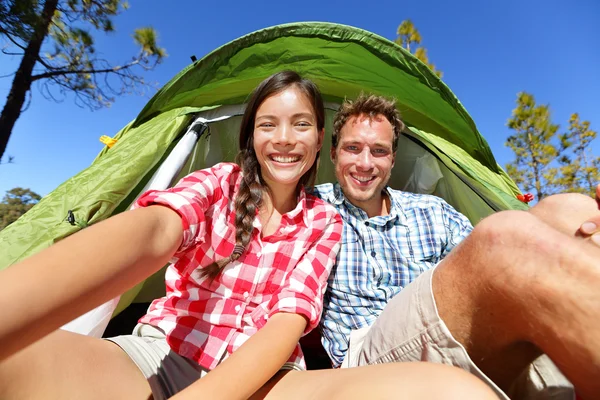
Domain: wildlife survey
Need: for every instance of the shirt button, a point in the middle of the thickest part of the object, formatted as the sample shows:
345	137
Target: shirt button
258	255
373	254
246	294
238	308
367	223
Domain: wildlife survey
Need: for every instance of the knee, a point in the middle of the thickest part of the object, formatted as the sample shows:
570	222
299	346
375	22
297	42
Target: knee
501	245
502	229
565	201
566	212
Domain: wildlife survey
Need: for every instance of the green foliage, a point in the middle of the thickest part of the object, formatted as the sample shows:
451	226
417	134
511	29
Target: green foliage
408	36
69	62
15	203
533	143
579	170
546	161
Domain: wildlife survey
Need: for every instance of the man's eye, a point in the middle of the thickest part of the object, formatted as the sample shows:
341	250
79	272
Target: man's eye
351	148
380	151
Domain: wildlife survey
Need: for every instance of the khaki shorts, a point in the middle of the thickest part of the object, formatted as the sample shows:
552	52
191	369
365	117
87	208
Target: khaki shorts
410	329
166	371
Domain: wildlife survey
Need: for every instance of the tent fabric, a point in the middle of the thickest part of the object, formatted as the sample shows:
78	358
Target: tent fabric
342	60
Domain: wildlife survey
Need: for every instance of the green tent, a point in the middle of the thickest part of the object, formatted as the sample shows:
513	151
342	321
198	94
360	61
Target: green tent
441	152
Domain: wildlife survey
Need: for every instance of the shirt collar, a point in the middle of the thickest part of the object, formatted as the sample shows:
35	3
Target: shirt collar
299	211
396	209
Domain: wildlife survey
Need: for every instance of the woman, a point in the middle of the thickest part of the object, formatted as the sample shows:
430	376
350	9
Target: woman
250	251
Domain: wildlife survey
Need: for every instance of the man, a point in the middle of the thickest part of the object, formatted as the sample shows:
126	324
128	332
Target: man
518	285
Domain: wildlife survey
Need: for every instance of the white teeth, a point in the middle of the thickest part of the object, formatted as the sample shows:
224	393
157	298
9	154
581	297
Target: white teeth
362	178
283	159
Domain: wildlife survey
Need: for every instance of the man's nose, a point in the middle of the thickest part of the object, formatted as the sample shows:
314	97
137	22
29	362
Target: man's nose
365	160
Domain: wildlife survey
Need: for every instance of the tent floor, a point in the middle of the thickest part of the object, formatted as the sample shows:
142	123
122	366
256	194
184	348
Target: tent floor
123	324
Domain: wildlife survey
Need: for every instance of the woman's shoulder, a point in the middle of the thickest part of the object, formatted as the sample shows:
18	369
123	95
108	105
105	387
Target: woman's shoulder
222	169
221	172
320	207
220	179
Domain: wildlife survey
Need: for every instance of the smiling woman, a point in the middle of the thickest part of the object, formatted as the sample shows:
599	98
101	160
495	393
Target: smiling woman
287	138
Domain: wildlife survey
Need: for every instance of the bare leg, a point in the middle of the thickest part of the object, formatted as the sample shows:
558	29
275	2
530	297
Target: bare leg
522	283
65	365
414	380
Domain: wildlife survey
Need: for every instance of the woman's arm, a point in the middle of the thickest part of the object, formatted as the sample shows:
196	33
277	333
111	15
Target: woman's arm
253	364
294	309
51	288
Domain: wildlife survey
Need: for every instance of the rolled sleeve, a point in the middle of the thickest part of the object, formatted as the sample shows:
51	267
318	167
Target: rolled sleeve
190	198
458	227
303	291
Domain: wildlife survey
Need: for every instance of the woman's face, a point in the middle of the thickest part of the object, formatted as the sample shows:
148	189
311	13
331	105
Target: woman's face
286	138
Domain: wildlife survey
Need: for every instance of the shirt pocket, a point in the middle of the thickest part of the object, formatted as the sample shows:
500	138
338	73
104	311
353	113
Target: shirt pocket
427	251
284	262
259	316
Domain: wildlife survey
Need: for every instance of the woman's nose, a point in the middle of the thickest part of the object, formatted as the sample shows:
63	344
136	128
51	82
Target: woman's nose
284	135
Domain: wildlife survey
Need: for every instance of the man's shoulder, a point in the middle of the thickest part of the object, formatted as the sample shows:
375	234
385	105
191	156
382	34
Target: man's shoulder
325	191
416	200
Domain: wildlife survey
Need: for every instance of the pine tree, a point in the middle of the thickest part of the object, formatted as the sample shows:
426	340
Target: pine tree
15	203
579	170
534	144
409	36
54	39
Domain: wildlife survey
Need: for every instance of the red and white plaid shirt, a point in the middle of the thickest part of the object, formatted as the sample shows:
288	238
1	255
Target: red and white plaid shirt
284	272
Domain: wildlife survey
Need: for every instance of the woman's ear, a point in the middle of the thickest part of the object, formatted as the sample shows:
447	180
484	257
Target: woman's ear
321	138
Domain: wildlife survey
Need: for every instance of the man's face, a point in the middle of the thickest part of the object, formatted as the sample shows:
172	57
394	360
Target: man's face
364	159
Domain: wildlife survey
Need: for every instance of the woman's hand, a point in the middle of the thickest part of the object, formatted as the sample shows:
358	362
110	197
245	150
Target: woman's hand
253	364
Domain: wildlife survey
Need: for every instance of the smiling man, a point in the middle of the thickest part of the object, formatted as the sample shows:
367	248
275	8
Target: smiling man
415	282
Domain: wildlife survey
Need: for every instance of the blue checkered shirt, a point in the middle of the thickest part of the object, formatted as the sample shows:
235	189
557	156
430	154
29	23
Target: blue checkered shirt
380	256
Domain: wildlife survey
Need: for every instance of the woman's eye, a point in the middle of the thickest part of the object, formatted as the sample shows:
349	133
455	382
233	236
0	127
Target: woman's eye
266	125
303	123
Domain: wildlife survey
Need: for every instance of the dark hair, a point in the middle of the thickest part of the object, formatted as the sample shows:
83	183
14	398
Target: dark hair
249	195
371	106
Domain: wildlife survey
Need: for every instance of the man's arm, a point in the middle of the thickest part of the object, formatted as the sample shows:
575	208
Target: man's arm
51	288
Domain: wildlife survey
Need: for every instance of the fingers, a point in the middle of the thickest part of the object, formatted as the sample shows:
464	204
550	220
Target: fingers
591	229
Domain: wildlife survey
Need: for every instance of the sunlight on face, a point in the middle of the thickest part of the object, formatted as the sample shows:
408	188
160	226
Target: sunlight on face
364	158
286	138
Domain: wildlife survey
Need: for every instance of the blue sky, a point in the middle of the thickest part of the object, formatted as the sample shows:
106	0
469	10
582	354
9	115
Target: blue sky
487	50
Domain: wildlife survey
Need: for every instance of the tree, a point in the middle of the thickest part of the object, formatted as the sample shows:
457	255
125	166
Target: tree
15	203
533	143
408	36
55	42
579	171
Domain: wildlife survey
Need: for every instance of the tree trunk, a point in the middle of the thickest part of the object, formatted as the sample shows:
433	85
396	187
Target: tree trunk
22	81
